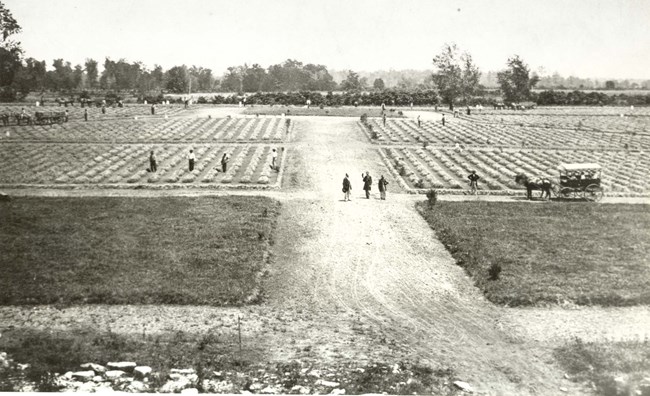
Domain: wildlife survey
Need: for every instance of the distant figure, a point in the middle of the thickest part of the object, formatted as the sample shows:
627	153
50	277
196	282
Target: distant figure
418	121
383	117
274	157
85	114
382	187
367	184
411	105
187	103
103	109
66	116
153	109
152	162
473	181
191	158
383	107
469	111
443	120
224	162
308	103
347	187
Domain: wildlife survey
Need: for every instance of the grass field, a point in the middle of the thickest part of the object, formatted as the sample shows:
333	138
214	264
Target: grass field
549	253
327	111
601	363
134	250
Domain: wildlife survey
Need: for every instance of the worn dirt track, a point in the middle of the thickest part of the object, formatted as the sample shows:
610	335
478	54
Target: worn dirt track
365	280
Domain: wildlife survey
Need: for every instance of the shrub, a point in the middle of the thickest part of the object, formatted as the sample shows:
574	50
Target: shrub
364	118
432	197
494	271
401	170
419	183
425	144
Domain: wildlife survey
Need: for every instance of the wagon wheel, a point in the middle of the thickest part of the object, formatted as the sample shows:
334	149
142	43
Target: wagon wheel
593	192
566	192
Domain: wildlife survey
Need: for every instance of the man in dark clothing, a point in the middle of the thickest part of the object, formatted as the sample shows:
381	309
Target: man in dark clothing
367	184
224	162
85	114
383	117
347	187
152	162
473	181
443	120
382	187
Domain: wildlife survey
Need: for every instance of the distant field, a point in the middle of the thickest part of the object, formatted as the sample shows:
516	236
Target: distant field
316	111
586	253
134	250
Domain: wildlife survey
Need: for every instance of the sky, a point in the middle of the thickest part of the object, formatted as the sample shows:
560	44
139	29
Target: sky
584	38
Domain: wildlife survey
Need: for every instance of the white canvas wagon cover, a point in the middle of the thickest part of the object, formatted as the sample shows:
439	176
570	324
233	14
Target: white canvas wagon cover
576	167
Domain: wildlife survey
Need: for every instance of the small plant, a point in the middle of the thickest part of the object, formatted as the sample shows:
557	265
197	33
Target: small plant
364	118
374	135
432	197
494	271
425	144
321	106
419	183
401	170
400	113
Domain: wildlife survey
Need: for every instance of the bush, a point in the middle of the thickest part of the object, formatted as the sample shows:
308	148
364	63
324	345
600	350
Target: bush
419	183
432	197
494	271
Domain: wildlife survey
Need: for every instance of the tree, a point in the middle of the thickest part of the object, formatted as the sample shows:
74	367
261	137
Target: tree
91	73
254	78
378	84
10	53
352	82
455	74
516	82
609	84
177	79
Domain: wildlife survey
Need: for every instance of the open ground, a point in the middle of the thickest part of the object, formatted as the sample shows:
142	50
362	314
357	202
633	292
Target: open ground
360	282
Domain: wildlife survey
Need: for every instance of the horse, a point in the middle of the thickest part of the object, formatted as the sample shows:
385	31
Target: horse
538	183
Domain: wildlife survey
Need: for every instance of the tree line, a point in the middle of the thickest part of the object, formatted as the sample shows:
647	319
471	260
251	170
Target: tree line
455	80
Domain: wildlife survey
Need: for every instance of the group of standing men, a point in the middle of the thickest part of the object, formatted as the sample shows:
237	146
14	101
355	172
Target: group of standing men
367	186
191	158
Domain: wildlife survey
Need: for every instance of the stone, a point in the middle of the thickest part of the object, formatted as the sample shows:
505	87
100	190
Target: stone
462	385
113	374
97	368
314	373
98	378
83	375
124	366
337	391
563	389
300	389
141	371
183	371
190	391
175	386
329	384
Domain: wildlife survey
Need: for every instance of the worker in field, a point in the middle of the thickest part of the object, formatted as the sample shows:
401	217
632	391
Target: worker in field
473	181
224	162
153	166
347	187
85	114
367	184
382	187
191	158
274	158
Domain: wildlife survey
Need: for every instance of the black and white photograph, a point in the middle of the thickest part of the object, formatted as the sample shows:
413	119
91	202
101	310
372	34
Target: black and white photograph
341	197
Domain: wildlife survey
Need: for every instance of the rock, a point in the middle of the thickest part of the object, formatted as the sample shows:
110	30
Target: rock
190	391
255	387
183	371
218	386
563	389
462	385
329	384
98	378
137	387
175	386
271	390
314	373
83	375
114	374
124	366
217	374
22	367
337	391
300	389
141	371
175	377
97	368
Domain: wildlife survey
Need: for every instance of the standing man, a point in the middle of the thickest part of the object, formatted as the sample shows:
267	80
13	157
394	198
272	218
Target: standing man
443	120
103	109
419	121
152	162
473	181
383	116
224	162
367	184
274	157
382	187
191	159
153	109
85	114
347	187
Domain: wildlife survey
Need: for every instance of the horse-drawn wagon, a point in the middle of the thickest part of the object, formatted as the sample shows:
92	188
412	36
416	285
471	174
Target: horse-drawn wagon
579	181
575	181
49	117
